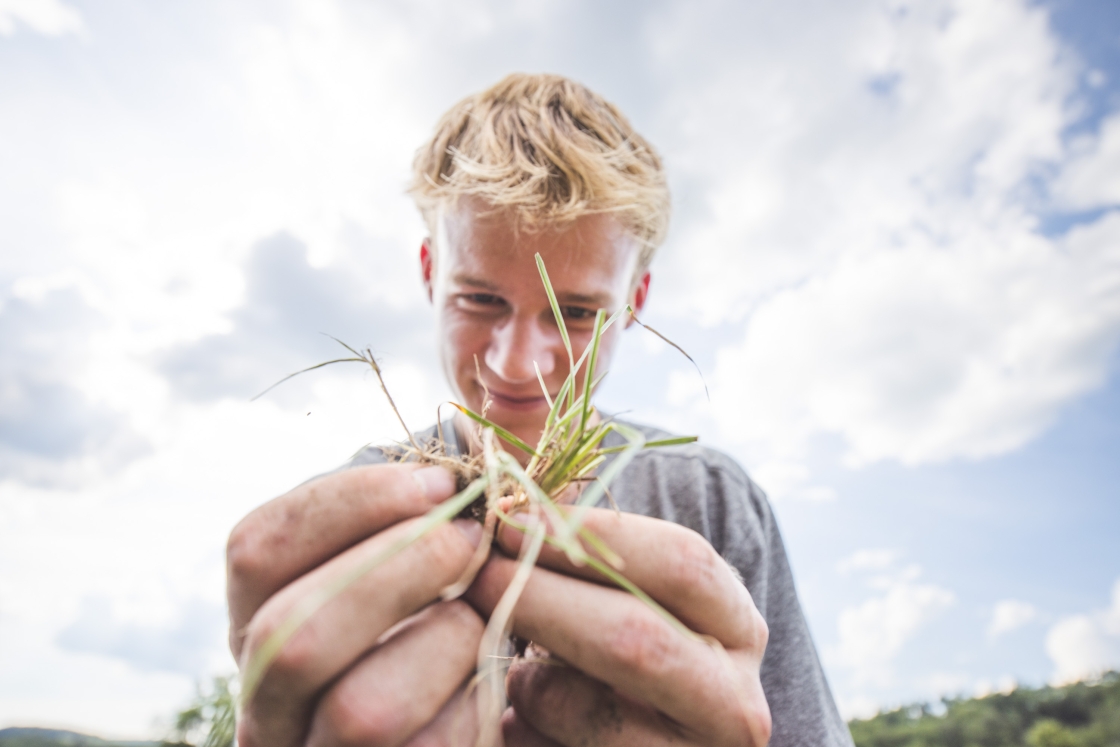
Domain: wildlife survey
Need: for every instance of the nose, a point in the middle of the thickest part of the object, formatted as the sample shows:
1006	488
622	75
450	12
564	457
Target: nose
516	344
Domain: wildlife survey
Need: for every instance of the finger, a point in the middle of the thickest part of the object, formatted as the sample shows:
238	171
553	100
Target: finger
351	622
617	639
287	537
516	732
456	725
671	563
403	683
562	704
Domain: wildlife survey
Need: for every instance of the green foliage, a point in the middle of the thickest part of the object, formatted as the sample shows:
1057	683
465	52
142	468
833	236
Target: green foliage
209	721
36	737
1080	715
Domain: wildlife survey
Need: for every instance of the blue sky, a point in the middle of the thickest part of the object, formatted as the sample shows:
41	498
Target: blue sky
895	254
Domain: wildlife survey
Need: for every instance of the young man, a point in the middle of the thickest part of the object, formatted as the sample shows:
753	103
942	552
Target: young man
535	164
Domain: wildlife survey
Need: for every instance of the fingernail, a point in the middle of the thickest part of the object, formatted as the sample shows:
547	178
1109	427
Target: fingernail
471	529
522	519
436	483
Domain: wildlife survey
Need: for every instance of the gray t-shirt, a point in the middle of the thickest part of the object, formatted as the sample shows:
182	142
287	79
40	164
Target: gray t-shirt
707	491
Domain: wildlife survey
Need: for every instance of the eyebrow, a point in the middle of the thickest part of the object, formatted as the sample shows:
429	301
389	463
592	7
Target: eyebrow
462	279
595	300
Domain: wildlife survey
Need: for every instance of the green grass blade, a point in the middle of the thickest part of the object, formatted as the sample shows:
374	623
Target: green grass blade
555	307
676	441
590	372
592	495
501	432
600	546
552	511
606	325
544	388
554	413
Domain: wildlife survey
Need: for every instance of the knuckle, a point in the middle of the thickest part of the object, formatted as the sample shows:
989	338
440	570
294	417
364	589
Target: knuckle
642	643
749	720
750	726
463	616
696	565
245	735
350	720
293	665
444	548
389	482
765	726
761	630
538	691
757	723
244	559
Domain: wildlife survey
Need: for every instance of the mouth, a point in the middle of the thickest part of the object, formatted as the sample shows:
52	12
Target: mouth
521	404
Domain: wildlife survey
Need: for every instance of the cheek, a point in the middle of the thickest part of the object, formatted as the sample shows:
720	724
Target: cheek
462	338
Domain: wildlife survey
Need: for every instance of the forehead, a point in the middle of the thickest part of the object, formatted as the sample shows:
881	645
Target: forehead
491	245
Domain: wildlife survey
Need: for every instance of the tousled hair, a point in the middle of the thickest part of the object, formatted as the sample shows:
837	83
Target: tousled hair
548	149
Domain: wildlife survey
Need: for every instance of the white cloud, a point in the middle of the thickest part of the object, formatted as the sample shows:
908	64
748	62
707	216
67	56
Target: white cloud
873	632
868	559
929	352
1009	615
877	231
1082	646
190	643
47	17
1092	179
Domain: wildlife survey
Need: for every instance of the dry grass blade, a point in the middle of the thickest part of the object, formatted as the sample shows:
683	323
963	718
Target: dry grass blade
680	350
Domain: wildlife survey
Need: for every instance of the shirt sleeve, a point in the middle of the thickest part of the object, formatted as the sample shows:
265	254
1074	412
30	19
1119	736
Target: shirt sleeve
709	492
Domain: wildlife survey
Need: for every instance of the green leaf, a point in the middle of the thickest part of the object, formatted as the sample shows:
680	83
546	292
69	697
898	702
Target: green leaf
555	306
501	432
676	441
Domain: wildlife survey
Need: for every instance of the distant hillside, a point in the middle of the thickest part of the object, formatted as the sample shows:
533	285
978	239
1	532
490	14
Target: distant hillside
29	737
1079	715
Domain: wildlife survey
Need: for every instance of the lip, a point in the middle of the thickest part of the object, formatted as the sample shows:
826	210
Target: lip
521	404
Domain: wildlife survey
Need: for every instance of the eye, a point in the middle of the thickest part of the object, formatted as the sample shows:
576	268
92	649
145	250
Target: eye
578	313
483	299
480	303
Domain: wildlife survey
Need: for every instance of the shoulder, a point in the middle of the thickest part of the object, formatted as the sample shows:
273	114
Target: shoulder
699	487
687	459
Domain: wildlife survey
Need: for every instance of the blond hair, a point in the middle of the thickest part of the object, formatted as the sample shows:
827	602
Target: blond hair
549	149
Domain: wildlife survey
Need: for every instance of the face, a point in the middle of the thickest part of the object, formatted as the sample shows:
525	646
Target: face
491	304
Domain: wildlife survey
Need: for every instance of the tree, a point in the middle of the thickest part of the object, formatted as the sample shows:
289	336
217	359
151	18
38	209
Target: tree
210	720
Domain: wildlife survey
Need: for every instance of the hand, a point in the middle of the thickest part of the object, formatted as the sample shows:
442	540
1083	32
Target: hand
626	676
366	668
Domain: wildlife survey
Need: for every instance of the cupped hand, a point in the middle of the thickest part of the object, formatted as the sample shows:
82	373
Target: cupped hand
614	671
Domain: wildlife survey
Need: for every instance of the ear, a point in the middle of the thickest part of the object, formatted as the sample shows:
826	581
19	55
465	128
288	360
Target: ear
427	262
639	295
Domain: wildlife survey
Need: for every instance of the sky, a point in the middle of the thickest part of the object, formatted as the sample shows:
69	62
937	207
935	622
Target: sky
895	255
